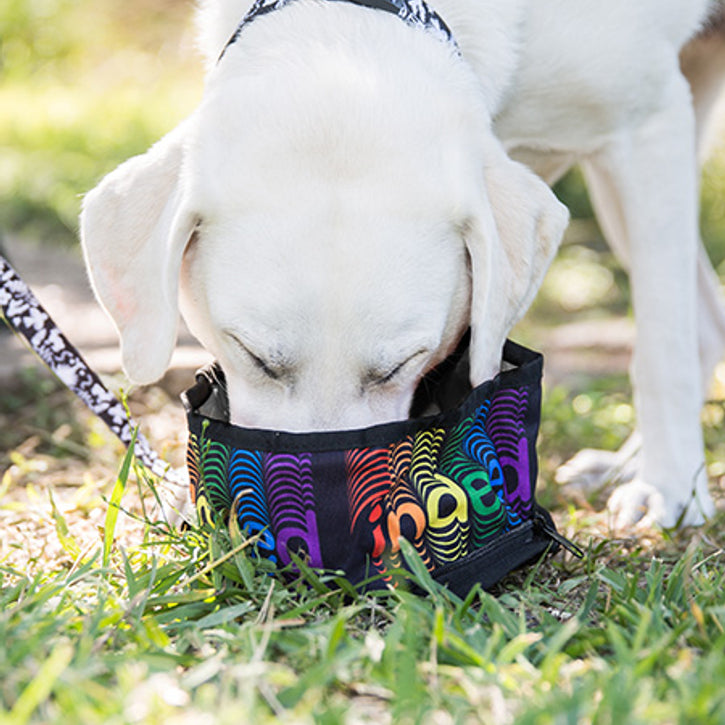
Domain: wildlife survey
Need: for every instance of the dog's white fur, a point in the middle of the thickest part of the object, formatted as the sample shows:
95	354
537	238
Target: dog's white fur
345	202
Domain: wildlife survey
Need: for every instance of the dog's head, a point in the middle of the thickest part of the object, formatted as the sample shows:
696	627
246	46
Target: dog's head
328	231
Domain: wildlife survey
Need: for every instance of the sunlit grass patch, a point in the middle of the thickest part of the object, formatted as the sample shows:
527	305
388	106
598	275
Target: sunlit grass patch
176	628
189	626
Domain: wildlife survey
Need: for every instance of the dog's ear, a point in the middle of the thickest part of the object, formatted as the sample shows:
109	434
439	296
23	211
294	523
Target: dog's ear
134	228
511	239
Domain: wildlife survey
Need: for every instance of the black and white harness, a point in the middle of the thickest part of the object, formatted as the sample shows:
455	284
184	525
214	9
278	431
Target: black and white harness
415	13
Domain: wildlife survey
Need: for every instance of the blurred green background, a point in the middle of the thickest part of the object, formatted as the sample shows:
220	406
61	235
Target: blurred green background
84	84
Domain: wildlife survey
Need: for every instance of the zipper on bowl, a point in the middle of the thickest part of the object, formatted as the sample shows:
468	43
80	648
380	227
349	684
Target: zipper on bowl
545	526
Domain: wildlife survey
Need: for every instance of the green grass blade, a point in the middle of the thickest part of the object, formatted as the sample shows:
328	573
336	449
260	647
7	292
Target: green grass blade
69	544
114	505
41	685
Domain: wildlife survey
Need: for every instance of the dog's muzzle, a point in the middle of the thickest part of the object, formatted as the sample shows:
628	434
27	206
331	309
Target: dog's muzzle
459	486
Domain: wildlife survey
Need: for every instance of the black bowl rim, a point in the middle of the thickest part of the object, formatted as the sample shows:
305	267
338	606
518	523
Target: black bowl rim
526	372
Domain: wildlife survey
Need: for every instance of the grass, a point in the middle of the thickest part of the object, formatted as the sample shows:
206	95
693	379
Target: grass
145	624
172	631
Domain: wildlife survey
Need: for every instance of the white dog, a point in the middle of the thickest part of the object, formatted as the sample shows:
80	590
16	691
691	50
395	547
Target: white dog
353	192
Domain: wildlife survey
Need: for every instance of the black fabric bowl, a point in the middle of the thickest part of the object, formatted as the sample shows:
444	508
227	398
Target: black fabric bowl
458	485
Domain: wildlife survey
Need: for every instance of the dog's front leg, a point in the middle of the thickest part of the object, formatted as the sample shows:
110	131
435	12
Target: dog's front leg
645	189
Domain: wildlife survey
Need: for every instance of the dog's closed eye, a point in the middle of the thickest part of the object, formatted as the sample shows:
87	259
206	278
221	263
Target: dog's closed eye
379	376
273	369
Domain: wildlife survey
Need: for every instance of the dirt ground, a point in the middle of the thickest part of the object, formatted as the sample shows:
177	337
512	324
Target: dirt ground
57	461
58	278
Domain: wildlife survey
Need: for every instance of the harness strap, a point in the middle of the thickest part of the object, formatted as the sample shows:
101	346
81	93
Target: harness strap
24	313
416	13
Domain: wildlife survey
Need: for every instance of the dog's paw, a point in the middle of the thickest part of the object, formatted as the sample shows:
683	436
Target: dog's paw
589	470
637	503
642	505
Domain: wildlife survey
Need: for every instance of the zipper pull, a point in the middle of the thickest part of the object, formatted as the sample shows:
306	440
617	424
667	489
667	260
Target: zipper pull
552	533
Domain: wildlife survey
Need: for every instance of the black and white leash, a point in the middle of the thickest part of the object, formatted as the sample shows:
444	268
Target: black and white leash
24	313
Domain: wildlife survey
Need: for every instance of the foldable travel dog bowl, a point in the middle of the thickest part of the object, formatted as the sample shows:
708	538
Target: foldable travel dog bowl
459	486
